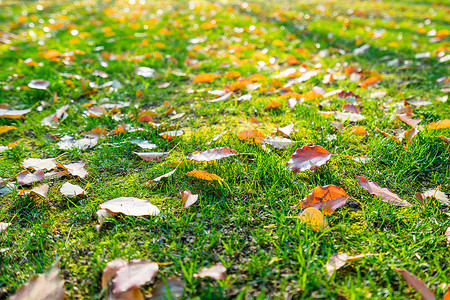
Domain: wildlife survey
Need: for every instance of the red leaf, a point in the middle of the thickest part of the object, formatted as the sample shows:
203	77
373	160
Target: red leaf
326	198
411	122
417	284
385	194
308	158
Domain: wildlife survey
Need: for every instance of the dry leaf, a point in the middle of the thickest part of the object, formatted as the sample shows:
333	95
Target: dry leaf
42	287
130	206
168	135
111	269
13	113
314	218
417	284
134	274
352	117
187	198
4	226
438	195
208	77
168	174
221	98
442	124
286	130
169	289
369	81
358	130
279	142
253	136
6	128
39	84
212	154
76	169
54	119
351	108
204	175
145	72
272	105
411	122
39	163
27	178
308	158
95	133
336	262
385	194
410	134
41	190
326	198
68	142
144	144
71	190
152	156
216	272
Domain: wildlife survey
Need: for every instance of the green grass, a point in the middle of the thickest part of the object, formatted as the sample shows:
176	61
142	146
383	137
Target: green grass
244	223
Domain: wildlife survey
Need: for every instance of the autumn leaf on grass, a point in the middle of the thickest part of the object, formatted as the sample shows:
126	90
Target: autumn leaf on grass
385	194
410	134
313	218
221	98
130	206
279	142
359	130
337	261
54	119
37	191
168	174
68	142
414	282
95	133
4	226
6	128
171	288
152	156
39	163
218	136
411	122
442	124
286	130
352	117
76	169
39	84
272	105
207	77
27	178
217	272
212	154
253	136
433	193
145	72
72	190
351	108
326	198
13	113
187	198
42	287
369	81
308	158
168	135
204	175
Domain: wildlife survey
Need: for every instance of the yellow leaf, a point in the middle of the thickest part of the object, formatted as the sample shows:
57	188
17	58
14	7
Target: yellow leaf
314	218
204	175
207	77
440	124
6	128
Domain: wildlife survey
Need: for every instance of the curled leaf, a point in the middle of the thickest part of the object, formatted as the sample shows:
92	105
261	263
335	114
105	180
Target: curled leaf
134	274
212	154
39	84
152	156
27	178
168	174
217	272
187	198
39	163
326	198
308	158
130	206
385	194
71	190
76	169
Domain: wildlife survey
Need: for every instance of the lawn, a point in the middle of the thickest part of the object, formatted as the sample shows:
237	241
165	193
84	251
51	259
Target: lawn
353	77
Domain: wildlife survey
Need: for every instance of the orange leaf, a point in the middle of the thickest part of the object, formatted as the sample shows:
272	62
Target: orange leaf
326	198
358	130
6	128
311	95
442	124
207	77
51	54
308	158
272	105
253	136
369	81
204	175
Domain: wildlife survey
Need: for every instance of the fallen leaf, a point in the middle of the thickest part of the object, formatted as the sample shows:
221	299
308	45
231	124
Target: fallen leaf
308	158
168	135
217	272
445	139
111	269
54	119
76	169
410	134
442	124
130	206
41	190
204	175
216	137
134	274
168	174
51	54
336	262
411	122
385	194
351	108
412	280
4	226
187	198
272	105
352	117
152	156
253	136
39	163
221	98
369	81
358	130
438	195
207	77
279	142
286	130
68	142
144	144
326	198
169	289
145	72
27	178
71	190
314	218
212	154
6	128
13	113
42	287
95	133
39	84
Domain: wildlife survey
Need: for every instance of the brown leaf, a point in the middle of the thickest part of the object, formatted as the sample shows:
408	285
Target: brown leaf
438	195
42	287
411	122
326	198
187	198
412	280
336	262
212	154
27	178
54	119
308	158
4	226
442	124
39	163
358	130
96	133
410	134
216	272
130	206
369	81
385	194
351	108
208	77
272	105
152	156
76	169
168	135
134	274
169	289
111	269
39	84
253	136
13	113
41	190
445	139
286	130
204	175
